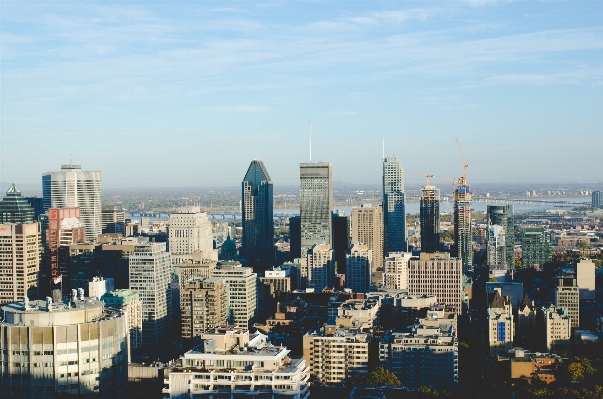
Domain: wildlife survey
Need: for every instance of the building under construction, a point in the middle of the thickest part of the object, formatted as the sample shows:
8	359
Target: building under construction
462	224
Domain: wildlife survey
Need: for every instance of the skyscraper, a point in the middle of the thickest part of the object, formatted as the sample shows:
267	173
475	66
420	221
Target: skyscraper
463	249
315	203
535	247
341	239
70	188
367	229
597	201
430	219
190	232
14	208
394	212
258	222
502	215
358	267
19	261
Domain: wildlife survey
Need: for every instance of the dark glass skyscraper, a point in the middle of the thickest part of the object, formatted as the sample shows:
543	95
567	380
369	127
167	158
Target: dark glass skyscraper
341	239
394	212
502	215
258	222
430	219
14	208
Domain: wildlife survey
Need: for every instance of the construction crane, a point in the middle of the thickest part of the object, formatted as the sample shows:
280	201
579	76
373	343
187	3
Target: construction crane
462	180
454	182
428	177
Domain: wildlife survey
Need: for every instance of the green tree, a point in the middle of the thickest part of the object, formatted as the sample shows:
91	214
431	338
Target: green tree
381	377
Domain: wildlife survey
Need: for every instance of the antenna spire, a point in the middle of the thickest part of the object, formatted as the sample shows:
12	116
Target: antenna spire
310	129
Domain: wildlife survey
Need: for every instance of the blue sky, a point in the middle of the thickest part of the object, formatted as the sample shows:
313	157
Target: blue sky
188	93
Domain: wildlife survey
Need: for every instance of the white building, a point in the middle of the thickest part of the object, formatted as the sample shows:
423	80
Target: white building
359	312
501	328
19	261
358	259
585	274
190	231
437	274
70	188
232	363
318	272
427	356
496	247
567	296
557	326
150	276
336	354
128	302
395	270
241	289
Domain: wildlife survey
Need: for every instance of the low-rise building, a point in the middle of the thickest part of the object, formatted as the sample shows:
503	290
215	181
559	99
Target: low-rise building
360	312
230	362
500	323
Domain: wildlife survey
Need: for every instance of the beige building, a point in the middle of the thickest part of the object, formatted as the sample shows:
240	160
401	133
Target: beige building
241	290
367	228
19	261
437	274
395	270
567	296
279	279
557	326
501	328
196	267
318	272
190	231
203	305
336	354
585	275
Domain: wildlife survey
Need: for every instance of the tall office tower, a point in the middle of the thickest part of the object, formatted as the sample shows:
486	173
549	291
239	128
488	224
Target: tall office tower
395	270
597	200
535	247
190	231
150	270
14	208
502	215
567	295
295	237
358	267
315	204
203	305
437	274
341	239
585	274
241	289
64	229
496	248
113	220
257	220
394	211
129	303
463	248
70	188
37	204
115	258
367	229
318	270
19	261
430	219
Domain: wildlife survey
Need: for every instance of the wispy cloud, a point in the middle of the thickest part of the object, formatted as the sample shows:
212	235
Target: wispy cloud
240	108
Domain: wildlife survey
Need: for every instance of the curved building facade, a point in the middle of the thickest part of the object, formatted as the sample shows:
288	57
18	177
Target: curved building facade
75	348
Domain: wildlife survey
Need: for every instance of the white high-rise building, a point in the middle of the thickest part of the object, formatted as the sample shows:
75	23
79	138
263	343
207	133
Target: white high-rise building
437	274
395	270
19	261
585	274
496	251
315	204
358	259
70	188
318	270
241	290
394	213
190	231
150	275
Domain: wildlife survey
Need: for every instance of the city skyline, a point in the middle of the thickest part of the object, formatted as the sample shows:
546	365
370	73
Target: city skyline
519	84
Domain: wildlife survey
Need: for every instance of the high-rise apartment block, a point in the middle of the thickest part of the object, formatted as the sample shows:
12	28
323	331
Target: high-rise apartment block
14	208
19	261
535	247
318	270
358	268
394	212
203	305
463	248
395	270
113	220
496	248
150	275
367	229
437	274
128	302
315	204
567	295
429	217
502	215
241	289
597	200
72	187
257	220
190	231
196	268
585	276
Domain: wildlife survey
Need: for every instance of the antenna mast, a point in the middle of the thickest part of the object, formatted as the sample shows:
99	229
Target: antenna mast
310	129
